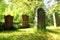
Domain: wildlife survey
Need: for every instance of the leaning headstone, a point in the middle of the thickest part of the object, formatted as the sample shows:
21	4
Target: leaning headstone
25	21
55	19
40	18
8	22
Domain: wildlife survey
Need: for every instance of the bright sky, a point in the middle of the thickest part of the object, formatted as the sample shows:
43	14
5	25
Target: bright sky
49	3
7	1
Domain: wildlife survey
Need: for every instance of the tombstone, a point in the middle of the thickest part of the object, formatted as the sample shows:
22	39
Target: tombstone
55	19
8	22
25	21
40	18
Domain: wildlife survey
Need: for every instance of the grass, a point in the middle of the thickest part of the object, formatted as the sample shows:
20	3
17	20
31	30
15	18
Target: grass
54	33
51	33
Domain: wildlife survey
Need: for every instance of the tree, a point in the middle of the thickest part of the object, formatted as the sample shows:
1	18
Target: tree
3	6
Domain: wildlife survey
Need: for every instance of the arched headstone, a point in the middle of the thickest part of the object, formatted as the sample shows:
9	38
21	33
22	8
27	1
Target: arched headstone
40	18
8	22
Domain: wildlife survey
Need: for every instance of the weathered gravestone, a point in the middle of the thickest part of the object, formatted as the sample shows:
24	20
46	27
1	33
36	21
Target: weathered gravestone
40	18
55	19
25	21
8	22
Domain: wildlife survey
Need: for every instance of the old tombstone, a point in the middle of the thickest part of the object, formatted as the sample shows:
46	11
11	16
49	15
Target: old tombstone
55	19
8	22
25	21
40	18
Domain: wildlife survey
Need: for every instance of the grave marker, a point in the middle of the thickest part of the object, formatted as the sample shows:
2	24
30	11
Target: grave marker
25	21
40	18
55	19
8	22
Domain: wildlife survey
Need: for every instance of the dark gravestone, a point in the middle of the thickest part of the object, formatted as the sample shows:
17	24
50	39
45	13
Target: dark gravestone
25	21
8	22
56	20
41	18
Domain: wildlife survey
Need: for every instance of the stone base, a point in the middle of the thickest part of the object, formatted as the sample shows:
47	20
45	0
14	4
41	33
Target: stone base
25	26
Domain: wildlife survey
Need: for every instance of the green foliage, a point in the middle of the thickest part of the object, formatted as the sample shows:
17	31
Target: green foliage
49	20
17	8
55	8
3	6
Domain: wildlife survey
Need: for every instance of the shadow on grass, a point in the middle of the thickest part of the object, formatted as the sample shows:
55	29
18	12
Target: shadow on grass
38	35
42	33
24	37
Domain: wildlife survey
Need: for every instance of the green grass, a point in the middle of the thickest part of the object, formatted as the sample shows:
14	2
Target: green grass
51	33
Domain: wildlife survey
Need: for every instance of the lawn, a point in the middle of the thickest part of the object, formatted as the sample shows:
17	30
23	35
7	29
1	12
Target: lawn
31	34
